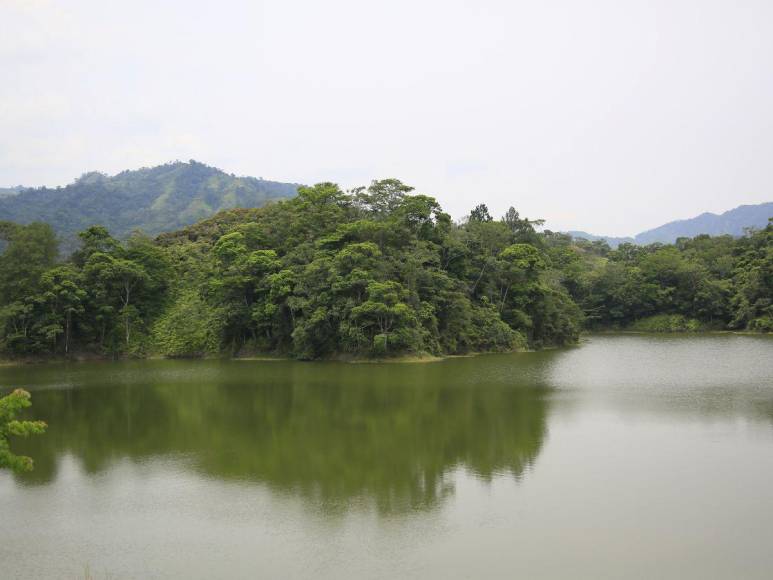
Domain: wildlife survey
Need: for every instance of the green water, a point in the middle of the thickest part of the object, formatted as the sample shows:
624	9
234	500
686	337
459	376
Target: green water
625	457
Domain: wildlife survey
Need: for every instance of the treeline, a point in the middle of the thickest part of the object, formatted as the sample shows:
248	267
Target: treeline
377	271
702	283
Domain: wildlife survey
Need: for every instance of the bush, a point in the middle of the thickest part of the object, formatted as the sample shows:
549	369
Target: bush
666	323
491	333
762	324
189	328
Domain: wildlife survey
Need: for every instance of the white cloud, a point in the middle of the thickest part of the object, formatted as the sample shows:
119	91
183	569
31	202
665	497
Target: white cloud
605	116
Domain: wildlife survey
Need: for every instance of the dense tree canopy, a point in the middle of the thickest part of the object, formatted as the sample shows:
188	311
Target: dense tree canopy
378	271
705	282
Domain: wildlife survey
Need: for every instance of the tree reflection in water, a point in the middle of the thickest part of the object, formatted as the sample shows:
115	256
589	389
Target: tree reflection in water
385	434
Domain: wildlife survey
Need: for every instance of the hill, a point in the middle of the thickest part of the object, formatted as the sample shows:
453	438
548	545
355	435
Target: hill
612	241
732	222
8	191
155	199
372	273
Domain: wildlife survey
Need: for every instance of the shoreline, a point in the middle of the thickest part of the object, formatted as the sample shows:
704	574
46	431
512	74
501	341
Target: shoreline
674	333
411	358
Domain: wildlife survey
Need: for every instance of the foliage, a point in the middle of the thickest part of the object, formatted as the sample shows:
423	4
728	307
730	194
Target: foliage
153	199
707	282
188	328
666	323
376	272
10	406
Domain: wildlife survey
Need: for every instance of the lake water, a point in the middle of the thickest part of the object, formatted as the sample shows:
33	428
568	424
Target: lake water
629	456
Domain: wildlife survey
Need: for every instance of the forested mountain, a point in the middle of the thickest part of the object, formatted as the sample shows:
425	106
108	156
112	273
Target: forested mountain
169	197
156	199
8	191
375	272
732	222
611	240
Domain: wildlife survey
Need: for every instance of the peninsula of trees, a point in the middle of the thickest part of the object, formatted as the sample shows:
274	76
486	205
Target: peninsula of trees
375	272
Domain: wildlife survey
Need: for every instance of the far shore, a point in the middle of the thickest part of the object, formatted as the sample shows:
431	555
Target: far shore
412	358
672	333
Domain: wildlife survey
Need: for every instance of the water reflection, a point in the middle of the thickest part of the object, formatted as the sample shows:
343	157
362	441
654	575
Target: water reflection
701	378
659	451
387	435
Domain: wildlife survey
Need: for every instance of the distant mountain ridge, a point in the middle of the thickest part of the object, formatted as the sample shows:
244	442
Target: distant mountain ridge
612	241
156	199
7	191
175	195
732	222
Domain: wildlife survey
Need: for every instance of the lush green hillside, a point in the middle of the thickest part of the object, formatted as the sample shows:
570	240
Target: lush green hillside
155	200
733	222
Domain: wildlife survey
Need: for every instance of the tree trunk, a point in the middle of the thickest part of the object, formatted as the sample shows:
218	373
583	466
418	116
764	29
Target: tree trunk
479	277
67	319
501	306
128	288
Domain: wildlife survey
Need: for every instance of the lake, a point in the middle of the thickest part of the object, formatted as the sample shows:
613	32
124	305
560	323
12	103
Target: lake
629	456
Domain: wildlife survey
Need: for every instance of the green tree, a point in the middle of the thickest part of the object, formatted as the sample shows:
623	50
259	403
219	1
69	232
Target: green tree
62	297
117	282
30	251
480	214
386	316
522	228
520	265
95	239
189	328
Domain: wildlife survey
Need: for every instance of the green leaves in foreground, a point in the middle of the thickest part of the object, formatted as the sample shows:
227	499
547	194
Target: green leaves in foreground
10	406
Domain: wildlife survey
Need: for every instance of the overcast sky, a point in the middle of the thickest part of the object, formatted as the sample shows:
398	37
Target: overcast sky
605	115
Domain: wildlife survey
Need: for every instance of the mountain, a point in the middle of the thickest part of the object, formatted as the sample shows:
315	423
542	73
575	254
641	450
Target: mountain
614	242
154	200
732	222
8	191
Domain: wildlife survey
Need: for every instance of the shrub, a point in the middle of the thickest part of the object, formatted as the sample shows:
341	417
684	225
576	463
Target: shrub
666	323
189	328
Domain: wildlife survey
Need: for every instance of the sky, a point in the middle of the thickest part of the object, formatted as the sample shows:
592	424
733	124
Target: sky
607	116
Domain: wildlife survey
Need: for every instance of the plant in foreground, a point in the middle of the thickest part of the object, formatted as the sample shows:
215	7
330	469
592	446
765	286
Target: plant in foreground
10	406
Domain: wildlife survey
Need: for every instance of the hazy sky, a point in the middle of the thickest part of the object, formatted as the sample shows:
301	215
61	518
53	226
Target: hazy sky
606	115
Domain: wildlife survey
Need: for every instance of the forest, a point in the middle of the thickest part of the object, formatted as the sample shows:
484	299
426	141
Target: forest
374	272
152	199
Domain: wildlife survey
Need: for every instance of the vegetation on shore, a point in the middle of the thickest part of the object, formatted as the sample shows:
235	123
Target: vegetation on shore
376	272
699	284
